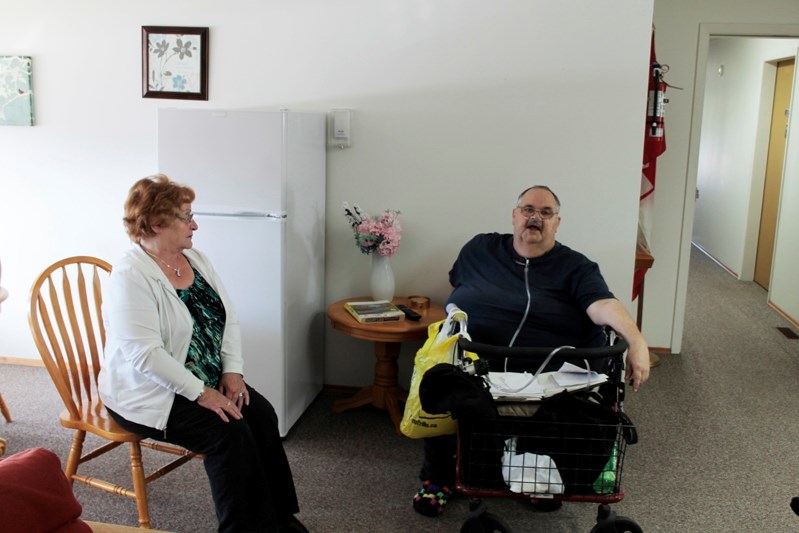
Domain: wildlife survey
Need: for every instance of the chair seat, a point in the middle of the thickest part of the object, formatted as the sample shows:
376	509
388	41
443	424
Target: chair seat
95	419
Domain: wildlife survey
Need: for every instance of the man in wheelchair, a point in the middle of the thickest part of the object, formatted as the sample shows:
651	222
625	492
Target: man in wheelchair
527	289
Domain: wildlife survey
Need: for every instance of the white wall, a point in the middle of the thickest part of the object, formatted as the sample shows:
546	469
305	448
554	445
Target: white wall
458	106
784	286
733	146
680	44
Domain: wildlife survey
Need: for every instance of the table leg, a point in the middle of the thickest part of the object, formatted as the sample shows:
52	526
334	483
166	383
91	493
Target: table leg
654	359
385	392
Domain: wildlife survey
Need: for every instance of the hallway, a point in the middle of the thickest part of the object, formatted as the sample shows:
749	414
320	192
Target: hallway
718	421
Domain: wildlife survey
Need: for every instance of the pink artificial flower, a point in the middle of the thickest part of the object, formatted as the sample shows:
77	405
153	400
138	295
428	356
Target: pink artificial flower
379	234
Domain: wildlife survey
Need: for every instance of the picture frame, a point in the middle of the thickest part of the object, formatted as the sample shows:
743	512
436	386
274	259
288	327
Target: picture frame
16	91
174	62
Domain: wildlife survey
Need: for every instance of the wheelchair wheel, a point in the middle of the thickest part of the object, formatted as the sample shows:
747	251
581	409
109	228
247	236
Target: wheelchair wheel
622	524
480	521
608	522
486	523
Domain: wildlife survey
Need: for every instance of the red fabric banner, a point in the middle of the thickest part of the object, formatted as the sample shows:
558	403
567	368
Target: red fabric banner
654	142
654	132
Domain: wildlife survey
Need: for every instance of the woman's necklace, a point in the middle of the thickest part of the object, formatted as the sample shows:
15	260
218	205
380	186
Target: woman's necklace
176	270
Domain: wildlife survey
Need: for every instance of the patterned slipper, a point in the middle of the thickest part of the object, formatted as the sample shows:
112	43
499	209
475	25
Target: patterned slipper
431	499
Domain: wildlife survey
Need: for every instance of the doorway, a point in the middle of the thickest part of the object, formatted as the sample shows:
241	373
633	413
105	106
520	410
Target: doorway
734	150
774	167
691	209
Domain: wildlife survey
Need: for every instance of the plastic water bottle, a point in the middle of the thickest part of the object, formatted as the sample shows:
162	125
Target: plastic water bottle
606	482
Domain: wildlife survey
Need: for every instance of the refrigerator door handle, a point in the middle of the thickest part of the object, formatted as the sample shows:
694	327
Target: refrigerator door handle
243	214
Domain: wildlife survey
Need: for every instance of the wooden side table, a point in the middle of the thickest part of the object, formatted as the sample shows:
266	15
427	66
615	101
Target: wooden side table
384	392
644	260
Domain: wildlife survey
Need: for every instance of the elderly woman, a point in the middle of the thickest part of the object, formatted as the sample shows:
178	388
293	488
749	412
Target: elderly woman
173	368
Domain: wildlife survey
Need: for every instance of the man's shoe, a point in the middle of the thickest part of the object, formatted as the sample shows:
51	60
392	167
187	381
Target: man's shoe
431	499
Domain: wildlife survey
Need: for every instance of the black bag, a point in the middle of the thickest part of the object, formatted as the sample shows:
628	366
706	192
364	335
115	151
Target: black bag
447	388
578	432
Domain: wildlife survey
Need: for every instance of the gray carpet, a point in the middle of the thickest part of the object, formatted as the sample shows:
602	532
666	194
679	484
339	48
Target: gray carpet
718	449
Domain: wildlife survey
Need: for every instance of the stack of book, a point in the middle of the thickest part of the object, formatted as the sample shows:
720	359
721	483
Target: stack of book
374	311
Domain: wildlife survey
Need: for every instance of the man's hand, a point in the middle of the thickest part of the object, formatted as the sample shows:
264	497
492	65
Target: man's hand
637	372
610	312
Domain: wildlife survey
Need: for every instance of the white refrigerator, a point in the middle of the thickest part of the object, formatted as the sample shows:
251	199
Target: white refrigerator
259	177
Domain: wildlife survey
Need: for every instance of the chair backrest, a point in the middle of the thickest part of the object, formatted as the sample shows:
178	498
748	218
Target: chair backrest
66	321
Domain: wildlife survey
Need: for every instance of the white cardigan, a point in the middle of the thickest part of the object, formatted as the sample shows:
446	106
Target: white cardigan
148	331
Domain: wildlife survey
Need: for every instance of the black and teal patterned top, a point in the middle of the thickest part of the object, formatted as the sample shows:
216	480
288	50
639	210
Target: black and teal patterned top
205	350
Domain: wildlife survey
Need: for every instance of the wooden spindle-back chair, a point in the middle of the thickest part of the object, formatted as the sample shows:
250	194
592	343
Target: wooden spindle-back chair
66	321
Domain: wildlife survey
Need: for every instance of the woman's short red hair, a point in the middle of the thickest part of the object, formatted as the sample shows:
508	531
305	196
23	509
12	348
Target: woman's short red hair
153	201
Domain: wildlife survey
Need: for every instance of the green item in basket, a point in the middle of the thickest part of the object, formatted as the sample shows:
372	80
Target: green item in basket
606	482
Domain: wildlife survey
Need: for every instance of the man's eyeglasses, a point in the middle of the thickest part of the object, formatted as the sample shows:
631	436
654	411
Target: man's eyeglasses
528	211
186	217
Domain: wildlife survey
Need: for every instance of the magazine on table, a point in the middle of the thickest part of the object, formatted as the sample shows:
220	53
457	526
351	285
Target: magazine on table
374	311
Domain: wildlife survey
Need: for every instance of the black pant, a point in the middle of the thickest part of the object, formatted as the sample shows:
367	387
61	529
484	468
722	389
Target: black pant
439	460
250	477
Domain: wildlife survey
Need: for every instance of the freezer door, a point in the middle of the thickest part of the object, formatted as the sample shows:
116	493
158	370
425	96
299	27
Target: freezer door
229	158
247	254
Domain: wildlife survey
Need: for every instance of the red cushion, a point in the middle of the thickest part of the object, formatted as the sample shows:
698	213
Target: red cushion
35	496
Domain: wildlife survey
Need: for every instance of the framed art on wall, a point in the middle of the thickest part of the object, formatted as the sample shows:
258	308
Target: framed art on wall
16	92
174	62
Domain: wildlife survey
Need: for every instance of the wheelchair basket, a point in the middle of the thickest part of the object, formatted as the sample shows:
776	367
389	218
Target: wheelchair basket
563	445
550	442
523	457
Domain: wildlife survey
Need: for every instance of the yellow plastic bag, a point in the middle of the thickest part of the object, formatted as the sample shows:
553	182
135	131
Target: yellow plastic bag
440	347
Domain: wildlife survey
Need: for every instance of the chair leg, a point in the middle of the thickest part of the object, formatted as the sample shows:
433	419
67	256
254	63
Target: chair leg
139	485
4	409
75	451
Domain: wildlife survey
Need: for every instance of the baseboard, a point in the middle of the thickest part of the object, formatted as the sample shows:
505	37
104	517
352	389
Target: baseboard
728	270
783	314
24	361
340	389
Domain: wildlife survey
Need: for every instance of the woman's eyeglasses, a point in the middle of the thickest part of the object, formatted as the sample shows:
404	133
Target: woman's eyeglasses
186	217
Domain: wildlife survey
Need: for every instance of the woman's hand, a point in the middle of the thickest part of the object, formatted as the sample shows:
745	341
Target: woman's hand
220	404
232	385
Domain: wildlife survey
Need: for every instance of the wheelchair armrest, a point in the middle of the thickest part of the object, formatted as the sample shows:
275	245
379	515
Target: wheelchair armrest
518	352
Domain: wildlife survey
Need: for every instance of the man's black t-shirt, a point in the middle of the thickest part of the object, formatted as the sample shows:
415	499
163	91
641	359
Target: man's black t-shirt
488	280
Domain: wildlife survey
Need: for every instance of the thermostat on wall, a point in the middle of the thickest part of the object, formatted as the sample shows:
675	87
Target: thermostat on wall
338	128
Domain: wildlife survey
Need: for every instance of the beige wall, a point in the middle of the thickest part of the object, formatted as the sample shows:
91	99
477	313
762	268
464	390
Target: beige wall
457	107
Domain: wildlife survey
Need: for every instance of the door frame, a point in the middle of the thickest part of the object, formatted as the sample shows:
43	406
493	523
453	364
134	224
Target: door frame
753	248
706	31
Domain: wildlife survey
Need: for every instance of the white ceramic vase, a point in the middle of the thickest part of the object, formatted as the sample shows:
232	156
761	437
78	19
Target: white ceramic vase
381	281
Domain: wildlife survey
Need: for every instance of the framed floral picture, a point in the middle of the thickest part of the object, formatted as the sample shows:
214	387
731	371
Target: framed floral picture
16	93
174	62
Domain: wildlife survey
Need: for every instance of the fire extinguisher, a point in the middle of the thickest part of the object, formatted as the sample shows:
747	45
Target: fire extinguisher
656	104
